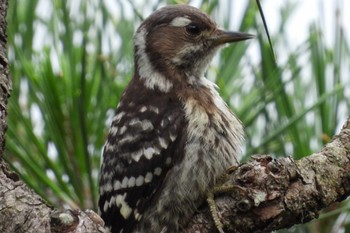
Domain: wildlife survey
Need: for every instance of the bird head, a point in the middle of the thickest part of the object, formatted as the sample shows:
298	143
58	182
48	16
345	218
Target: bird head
178	40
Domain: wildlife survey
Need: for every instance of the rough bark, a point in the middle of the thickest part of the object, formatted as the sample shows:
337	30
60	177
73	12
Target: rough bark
271	194
267	193
5	84
22	210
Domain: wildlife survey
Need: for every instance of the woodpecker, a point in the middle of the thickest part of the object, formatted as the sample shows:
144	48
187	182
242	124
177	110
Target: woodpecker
172	134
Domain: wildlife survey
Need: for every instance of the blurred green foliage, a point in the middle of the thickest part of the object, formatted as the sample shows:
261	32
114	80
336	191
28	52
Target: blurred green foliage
70	61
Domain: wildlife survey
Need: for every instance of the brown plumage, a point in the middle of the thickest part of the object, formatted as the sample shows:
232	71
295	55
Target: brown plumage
172	134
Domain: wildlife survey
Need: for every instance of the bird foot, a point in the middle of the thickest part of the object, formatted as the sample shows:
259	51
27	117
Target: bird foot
220	188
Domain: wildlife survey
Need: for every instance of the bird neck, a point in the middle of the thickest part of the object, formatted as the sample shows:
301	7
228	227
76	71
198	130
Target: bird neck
165	77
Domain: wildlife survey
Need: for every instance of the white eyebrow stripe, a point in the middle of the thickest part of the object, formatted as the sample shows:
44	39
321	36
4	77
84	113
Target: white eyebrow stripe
180	22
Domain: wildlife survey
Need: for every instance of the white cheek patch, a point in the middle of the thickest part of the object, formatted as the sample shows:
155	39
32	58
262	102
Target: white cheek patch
151	77
180	22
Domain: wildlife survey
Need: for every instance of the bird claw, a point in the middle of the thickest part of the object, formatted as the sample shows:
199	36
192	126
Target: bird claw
214	212
220	188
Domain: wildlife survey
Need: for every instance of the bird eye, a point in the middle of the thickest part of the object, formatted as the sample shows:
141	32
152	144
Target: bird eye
193	29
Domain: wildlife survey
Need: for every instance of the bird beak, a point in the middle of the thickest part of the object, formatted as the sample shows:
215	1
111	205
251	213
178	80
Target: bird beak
221	37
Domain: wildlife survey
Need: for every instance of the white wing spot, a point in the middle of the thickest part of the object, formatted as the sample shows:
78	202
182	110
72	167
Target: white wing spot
105	206
118	116
137	155
143	109
110	147
112	201
114	130
148	177
139	181
157	171
147	125
124	182
131	182
106	188
172	137
125	209
137	215
148	153
135	121
117	185
154	109
157	151
106	175
126	139
162	143
162	123
122	130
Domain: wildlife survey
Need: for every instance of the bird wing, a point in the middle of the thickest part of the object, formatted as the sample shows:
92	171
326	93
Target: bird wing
145	140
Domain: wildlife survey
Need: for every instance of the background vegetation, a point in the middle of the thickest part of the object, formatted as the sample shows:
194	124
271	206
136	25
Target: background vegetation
70	61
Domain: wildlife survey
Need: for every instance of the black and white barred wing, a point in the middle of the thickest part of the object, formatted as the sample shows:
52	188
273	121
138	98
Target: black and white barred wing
143	144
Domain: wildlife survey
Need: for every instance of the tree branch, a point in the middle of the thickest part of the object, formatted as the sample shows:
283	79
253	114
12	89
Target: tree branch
22	210
5	83
272	194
